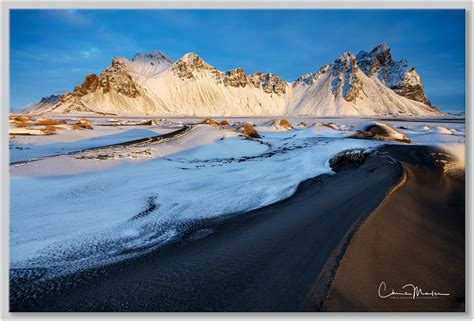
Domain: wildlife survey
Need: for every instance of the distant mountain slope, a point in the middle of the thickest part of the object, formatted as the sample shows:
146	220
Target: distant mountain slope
369	84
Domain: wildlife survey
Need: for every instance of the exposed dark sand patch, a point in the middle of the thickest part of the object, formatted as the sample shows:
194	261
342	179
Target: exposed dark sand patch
416	236
151	206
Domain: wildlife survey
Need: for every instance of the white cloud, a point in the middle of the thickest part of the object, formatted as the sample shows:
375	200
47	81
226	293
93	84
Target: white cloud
89	53
71	16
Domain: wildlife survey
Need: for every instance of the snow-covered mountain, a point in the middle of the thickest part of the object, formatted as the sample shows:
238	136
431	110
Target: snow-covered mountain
342	88
366	85
397	75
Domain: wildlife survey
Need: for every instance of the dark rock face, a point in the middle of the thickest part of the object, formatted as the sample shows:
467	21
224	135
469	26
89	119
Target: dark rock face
413	92
308	79
189	66
45	102
52	99
235	78
89	85
154	57
115	78
398	76
185	67
344	69
344	79
348	160
269	83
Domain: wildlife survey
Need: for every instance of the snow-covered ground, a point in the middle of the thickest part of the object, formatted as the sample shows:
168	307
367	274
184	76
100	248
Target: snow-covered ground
67	220
66	141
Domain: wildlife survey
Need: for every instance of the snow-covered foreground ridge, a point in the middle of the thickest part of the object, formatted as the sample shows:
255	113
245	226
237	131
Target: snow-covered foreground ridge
369	84
61	222
72	222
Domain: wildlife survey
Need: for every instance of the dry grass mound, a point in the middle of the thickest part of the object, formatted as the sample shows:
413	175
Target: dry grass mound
20	118
285	124
225	122
211	122
249	131
47	122
85	121
82	123
22	124
51	129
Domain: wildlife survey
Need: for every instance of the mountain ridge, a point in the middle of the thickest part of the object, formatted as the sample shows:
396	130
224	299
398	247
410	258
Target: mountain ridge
366	84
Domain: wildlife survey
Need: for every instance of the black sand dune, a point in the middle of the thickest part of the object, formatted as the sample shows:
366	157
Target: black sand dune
278	258
416	236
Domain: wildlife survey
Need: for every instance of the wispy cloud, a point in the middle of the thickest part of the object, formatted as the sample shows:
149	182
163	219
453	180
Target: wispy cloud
72	17
89	53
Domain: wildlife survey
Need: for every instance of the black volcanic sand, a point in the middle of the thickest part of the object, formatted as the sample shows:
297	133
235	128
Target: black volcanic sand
278	258
416	236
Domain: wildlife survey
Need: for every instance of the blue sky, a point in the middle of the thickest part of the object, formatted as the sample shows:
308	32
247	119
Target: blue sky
52	50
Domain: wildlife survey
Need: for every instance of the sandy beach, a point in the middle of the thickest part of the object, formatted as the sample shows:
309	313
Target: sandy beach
416	236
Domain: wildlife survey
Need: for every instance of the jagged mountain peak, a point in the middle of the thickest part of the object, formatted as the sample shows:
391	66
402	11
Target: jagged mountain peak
189	64
397	75
346	56
153	57
117	61
192	59
371	62
141	66
344	62
381	48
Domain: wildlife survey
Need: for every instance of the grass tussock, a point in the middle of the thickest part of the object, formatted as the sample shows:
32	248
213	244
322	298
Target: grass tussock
82	123
285	124
249	131
225	122
22	124
48	122
211	122
20	118
50	129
